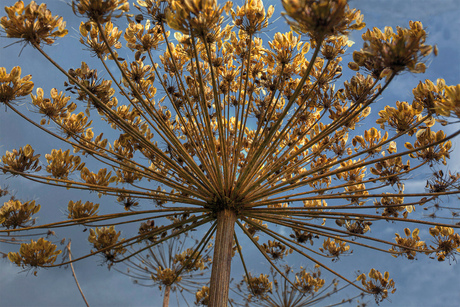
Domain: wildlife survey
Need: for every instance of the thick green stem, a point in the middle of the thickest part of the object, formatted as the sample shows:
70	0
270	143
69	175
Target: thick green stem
222	260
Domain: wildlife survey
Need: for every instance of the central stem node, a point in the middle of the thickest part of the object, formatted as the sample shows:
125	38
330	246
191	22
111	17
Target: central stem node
225	203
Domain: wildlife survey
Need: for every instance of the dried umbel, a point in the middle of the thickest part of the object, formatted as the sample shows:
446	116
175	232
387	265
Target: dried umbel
321	18
259	286
80	210
12	86
167	276
143	38
439	182
439	152
102	178
252	16
379	284
55	108
190	262
22	160
35	254
392	206
401	118
276	289
308	282
100	10
388	52
15	213
447	242
97	92
95	40
105	240
357	226
438	98
32	23
450	105
198	17
334	248
303	236
62	163
202	296
276	250
171	266
211	129
411	243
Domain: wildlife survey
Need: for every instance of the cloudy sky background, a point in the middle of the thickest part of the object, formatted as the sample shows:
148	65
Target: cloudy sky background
424	282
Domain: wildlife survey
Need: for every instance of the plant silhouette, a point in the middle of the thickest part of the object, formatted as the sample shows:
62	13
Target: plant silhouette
234	137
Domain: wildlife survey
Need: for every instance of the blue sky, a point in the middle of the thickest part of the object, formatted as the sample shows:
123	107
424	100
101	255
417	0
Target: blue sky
424	282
